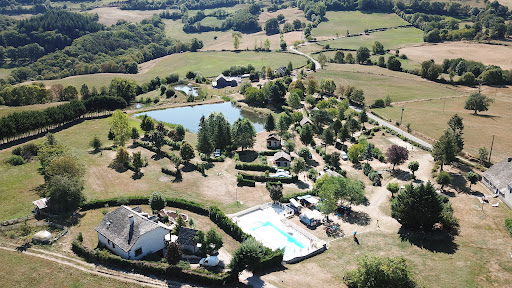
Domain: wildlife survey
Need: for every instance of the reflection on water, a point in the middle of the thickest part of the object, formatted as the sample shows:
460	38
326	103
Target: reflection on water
190	116
189	90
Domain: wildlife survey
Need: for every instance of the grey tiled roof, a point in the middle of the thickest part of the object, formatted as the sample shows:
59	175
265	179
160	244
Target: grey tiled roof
115	226
283	155
274	136
500	174
305	121
187	236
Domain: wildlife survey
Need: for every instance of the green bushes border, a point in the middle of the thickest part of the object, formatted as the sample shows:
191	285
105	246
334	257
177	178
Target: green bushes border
263	178
508	223
268	152
254	167
232	229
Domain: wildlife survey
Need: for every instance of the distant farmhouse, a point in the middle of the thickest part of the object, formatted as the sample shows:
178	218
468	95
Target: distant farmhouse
281	71
498	178
273	141
131	234
224	81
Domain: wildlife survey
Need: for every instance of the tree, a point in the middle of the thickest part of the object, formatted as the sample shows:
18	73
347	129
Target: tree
283	123
272	26
298	164
186	151
353	125
444	150
158	139
394	64
322	59
247	256
120	127
64	165
124	88
275	189
297	116
363	117
378	48
266	45
122	157
417	207
303	152
137	161
289	145
482	155
381	62
236	41
147	124
204	144
306	134
173	254
368	152
349	58
69	93
312	86
269	123
478	102
294	100
95	143
135	134
472	177
213	241
456	127
180	132
156	201
354	152
362	55
444	178
243	133
397	155
334	189
328	136
413	166
468	79
430	70
344	134
65	193
393	188
339	57
327	86
375	271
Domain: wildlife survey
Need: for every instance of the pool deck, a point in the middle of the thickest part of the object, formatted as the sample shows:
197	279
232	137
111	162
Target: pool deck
277	214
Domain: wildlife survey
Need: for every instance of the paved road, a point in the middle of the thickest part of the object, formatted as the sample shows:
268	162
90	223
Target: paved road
398	130
317	64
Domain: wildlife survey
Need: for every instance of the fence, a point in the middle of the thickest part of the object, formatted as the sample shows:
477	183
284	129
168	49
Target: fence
17	220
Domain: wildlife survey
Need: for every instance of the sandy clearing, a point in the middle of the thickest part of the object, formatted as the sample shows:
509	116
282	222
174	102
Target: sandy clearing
487	54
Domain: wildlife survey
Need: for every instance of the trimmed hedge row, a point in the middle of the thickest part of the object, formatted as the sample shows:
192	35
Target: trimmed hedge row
232	229
255	167
161	269
245	182
144	200
508	223
268	152
263	178
273	259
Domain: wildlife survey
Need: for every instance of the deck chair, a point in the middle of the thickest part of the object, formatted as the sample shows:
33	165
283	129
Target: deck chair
496	205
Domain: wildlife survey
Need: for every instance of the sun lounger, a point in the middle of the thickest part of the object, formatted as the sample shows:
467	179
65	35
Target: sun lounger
496	205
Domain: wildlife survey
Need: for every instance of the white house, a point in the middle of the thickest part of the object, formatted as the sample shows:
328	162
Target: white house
130	234
282	159
273	141
498	179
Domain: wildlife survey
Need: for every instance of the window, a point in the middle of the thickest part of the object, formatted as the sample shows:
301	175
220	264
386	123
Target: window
108	241
113	245
138	252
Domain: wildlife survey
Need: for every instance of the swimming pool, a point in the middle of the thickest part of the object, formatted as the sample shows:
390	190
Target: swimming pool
277	237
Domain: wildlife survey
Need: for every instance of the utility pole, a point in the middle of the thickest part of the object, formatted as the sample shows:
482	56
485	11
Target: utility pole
444	104
490	153
401	116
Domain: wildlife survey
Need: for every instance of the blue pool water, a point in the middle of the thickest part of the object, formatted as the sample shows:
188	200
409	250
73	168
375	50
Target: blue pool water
277	236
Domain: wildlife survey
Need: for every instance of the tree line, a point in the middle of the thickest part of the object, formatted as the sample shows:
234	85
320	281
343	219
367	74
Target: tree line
177	4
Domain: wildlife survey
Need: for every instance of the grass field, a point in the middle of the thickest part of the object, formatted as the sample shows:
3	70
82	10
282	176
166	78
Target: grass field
4	110
210	64
110	15
391	39
21	270
379	82
487	54
355	22
4	72
428	118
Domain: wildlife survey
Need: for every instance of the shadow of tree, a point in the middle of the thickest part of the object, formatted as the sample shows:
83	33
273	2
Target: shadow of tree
359	218
302	185
137	176
312	163
157	157
248	155
436	241
118	168
401	175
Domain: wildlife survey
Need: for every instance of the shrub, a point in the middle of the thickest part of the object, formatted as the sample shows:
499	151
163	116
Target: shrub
232	229
254	167
16	160
508	223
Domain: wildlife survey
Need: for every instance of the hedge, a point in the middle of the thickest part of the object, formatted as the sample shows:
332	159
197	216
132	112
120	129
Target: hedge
246	182
508	223
254	167
268	152
263	178
232	229
161	269
144	200
274	258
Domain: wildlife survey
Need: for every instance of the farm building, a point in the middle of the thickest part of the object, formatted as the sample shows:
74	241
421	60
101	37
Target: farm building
282	159
131	234
273	141
498	179
224	81
41	206
280	71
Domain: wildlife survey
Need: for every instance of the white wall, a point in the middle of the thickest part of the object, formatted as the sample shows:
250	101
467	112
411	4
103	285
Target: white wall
118	251
150	242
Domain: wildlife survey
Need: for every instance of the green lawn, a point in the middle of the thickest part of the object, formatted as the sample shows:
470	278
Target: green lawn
379	82
391	39
4	72
210	64
355	22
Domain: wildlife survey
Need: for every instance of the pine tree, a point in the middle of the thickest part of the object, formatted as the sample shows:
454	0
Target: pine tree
270	125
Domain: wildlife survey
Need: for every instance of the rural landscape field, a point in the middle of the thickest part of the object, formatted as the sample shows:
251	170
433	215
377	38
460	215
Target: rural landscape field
261	143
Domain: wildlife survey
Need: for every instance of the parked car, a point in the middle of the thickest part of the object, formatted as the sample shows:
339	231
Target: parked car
343	155
217	153
210	261
310	155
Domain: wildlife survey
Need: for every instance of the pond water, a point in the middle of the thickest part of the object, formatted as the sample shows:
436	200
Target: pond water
187	89
190	116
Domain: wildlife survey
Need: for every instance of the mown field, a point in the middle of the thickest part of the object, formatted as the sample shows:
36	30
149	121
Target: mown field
391	39
428	118
4	72
209	64
21	270
355	22
379	82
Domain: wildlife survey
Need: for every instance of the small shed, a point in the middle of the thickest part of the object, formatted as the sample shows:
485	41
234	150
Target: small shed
41	205
305	121
282	159
42	236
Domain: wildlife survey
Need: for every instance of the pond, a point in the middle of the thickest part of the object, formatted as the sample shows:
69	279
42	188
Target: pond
189	90
190	116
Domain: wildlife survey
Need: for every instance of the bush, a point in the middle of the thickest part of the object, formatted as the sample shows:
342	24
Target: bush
254	167
16	160
508	223
232	229
263	178
244	182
